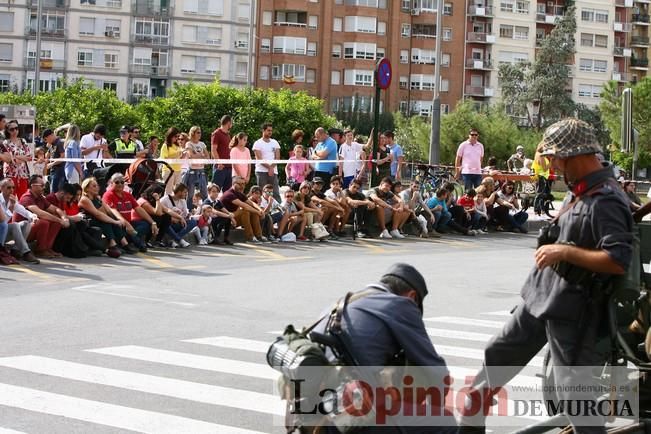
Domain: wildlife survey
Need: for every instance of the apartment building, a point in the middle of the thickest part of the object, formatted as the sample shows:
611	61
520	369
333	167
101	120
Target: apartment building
137	48
330	48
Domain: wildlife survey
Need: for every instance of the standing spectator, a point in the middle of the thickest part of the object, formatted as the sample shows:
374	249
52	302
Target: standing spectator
468	163
93	145
360	206
16	156
297	139
50	218
326	150
298	170
389	208
55	150
396	155
266	148
629	188
176	206
3	124
239	151
72	148
222	219
152	147
195	177
541	168
40	164
121	203
220	140
383	163
515	163
352	154
311	147
123	146
245	211
141	151
171	151
18	232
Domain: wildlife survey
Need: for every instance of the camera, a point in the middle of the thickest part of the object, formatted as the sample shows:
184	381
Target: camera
548	234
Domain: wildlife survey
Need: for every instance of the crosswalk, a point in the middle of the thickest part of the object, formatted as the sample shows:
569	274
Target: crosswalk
149	389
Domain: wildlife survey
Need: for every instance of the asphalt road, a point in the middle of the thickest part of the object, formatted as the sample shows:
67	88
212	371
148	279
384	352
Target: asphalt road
100	345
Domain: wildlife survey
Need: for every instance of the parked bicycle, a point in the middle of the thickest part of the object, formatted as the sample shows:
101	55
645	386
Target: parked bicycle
432	177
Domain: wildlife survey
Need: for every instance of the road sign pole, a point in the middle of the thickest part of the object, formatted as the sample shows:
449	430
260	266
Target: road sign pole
382	81
376	130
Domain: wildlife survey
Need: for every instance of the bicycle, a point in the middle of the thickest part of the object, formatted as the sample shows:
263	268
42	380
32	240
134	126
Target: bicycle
431	178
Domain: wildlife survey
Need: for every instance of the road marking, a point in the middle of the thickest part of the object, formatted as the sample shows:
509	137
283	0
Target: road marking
157	262
9	431
459	334
374	249
284	258
466	321
108	414
86	288
506	313
175	358
34	273
205	393
471	353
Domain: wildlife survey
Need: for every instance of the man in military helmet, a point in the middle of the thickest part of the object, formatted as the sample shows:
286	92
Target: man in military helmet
563	296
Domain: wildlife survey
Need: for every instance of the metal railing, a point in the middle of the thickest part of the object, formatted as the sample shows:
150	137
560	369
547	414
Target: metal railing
480	37
479	64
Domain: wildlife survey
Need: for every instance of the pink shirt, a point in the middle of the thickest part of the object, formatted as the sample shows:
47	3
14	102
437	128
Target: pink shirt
471	156
297	170
242	170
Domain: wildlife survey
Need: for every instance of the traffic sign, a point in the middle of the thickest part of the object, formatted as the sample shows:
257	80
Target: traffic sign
383	73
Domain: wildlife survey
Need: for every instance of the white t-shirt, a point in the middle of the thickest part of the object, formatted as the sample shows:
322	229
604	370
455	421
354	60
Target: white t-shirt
88	141
332	195
267	151
350	152
180	206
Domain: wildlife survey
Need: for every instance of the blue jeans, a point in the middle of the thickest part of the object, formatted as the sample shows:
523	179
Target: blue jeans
143	228
223	178
177	232
4	228
442	218
518	219
471	181
195	178
57	179
347	181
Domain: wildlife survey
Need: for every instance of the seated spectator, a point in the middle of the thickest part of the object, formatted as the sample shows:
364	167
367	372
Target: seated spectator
303	199
332	211
176	205
246	212
507	209
472	217
490	195
481	209
389	208
222	219
255	196
197	202
121	203
360	205
102	216
50	218
18	232
273	213
150	201
414	201
204	220
439	206
293	216
336	194
629	188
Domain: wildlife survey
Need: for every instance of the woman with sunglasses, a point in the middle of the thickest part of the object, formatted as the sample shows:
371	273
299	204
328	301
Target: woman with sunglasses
15	155
507	209
171	150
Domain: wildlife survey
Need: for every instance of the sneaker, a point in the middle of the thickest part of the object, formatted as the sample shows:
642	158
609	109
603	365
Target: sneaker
523	229
302	238
361	235
184	244
254	240
385	234
174	244
396	234
470	233
264	239
197	234
130	249
142	249
333	237
272	238
203	242
435	234
29	257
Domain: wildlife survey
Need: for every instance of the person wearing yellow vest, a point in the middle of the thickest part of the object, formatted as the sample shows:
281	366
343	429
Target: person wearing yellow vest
123	146
541	170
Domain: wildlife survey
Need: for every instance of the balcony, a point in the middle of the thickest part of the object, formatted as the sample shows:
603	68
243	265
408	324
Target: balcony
151	39
51	4
149	8
622	27
484	11
48	32
46	64
149	70
481	38
640	63
548	19
290	24
479	64
640	41
621	77
640	19
479	91
624	3
622	52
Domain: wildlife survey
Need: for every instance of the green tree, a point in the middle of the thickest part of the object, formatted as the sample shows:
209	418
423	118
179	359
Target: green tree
538	86
413	135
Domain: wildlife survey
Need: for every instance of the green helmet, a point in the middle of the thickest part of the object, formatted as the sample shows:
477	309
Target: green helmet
569	138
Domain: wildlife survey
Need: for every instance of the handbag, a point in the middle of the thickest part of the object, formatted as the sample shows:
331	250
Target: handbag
319	231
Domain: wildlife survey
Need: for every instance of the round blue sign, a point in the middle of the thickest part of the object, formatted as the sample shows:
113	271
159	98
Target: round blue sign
383	73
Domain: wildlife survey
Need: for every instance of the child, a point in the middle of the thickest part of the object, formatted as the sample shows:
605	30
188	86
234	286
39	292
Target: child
221	218
274	213
467	201
204	220
480	209
40	163
197	200
298	170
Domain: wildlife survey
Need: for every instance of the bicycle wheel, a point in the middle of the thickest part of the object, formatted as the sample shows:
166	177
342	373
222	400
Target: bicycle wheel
354	224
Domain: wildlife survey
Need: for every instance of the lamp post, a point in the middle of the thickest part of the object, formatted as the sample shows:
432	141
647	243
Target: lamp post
37	64
249	69
435	137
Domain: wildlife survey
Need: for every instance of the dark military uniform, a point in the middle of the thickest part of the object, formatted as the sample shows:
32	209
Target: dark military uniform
562	305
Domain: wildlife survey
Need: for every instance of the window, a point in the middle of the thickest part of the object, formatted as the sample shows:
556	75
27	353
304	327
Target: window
6	22
265	45
313	22
379	53
522	7
243	12
112	28
336	51
594	15
264	73
521	33
587	39
359	50
404	82
419	55
189	34
152	30
445	60
86	26
507	5
267	17
381	4
111	60
337	24
5	84
358	77
506	31
587	15
204	7
601	16
600	65
585	65
85	58
445	109
601	41
422	82
289	45
445	85
188	64
213	65
360	24
405	30
512	57
311	48
589	91
288	70
241	69
310	76
6	52
335	77
110	85
447	34
381	28
404	56
447	9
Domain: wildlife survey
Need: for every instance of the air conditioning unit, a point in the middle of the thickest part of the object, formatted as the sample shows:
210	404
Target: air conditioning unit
415	12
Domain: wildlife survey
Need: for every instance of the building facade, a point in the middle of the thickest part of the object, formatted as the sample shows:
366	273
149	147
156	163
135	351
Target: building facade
137	48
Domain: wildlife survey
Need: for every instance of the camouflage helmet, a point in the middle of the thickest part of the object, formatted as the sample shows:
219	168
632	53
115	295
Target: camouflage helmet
569	138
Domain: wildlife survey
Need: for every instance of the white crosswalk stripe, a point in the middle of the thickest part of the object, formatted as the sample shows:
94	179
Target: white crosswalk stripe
10	431
471	322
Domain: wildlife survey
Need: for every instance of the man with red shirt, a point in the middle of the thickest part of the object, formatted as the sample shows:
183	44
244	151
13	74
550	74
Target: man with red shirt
50	218
121	203
247	213
220	140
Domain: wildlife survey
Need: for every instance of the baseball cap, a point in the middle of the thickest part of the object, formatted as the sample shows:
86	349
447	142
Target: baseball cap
318	180
412	277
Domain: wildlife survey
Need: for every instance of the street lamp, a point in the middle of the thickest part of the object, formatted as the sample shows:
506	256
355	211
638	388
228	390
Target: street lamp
37	65
435	137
